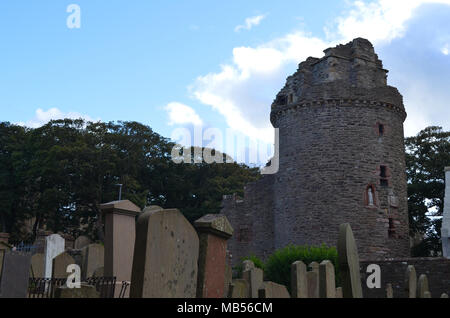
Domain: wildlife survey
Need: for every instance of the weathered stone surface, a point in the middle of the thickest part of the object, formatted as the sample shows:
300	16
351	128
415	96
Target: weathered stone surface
54	245
411	281
349	263
422	286
426	294
81	242
93	258
37	268
273	290
299	281
99	272
120	234
255	279
313	284
165	256
15	274
329	116
339	292
239	289
60	264
86	291
247	265
327	284
444	295
213	231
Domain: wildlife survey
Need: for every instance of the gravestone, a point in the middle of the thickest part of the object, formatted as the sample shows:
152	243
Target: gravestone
15	274
54	245
327	284
81	242
254	277
445	229
37	268
313	284
165	256
273	290
411	281
60	264
426	294
85	291
120	235
422	286
299	282
2	253
93	258
213	231
239	288
99	272
349	263
444	295
339	292
228	275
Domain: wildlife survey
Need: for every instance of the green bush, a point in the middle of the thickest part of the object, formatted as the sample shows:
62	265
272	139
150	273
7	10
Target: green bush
255	259
277	268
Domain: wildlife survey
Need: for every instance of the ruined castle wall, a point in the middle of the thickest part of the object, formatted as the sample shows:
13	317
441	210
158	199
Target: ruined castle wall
252	220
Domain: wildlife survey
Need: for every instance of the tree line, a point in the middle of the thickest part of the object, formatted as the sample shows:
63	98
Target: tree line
57	175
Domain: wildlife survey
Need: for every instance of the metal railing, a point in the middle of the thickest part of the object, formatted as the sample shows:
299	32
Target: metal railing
46	287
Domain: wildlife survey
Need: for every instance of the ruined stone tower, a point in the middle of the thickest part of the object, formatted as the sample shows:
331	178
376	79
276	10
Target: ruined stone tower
341	153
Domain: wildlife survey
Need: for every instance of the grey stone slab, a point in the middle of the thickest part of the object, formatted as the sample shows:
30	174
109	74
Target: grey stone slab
15	275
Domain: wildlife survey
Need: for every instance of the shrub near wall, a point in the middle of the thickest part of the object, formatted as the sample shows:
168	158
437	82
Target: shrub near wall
277	268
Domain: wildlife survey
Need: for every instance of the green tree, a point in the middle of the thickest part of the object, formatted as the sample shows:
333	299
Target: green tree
427	154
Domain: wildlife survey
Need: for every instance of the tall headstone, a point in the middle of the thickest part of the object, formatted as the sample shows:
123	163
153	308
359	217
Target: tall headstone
422	286
15	274
165	260
120	235
93	258
389	291
213	231
349	263
327	284
445	230
299	282
60	264
81	241
312	278
339	292
239	288
4	238
411	281
254	277
37	269
54	245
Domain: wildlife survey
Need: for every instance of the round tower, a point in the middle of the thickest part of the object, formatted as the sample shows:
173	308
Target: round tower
341	153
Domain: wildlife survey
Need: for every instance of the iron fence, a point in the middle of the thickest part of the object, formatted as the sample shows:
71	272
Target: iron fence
46	287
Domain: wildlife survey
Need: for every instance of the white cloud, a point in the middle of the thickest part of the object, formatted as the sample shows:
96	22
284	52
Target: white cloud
42	117
445	50
378	21
250	23
182	114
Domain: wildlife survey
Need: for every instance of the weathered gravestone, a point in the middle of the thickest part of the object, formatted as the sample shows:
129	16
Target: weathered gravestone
15	274
349	263
54	245
85	291
165	256
411	281
81	242
313	284
2	252
444	295
254	277
99	272
299	281
423	287
273	290
239	288
93	258
389	291
60	264
213	231
339	292
327	284
37	268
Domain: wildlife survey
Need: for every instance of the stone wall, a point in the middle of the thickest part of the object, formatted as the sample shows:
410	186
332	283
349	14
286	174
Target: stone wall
393	271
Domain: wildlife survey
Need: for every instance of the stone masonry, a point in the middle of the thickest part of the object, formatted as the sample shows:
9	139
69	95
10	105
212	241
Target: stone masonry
342	160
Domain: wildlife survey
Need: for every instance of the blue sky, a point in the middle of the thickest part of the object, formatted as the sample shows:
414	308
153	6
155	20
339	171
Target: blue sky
217	64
